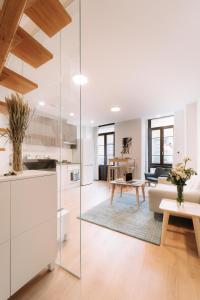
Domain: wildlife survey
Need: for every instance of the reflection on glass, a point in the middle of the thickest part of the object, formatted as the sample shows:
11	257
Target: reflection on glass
110	150
168	132
156	146
161	122
101	150
110	139
155	159
168	159
100	140
155	134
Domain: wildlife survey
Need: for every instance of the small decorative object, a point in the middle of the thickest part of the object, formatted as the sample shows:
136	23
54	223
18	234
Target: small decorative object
179	175
126	144
19	114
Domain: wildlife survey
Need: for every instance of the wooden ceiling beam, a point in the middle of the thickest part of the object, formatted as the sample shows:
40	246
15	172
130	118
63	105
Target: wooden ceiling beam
11	14
16	82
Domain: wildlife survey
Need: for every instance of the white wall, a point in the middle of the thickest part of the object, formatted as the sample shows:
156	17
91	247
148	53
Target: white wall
4	155
132	128
179	136
187	134
191	133
198	136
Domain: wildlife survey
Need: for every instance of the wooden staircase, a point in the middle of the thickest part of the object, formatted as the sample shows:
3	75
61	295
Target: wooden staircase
49	15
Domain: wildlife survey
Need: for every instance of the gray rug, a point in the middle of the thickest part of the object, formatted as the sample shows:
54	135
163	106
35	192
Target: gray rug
124	217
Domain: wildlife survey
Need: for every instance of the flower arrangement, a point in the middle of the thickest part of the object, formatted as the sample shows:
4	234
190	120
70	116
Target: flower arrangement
179	175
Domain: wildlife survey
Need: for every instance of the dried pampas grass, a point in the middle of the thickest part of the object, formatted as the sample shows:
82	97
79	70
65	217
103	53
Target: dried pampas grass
19	114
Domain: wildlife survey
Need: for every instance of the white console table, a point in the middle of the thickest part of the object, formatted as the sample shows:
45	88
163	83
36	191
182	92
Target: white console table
28	228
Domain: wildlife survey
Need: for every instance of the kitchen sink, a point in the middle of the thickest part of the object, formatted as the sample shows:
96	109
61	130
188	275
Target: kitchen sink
40	164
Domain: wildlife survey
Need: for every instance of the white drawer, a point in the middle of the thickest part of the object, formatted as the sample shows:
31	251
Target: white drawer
33	202
31	252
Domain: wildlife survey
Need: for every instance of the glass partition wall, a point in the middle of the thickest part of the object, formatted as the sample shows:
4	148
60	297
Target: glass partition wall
52	141
70	150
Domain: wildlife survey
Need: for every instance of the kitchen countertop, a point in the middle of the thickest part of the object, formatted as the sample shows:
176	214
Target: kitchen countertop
26	174
67	163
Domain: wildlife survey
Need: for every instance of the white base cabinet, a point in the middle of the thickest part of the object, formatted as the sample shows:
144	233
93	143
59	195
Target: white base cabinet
28	228
5	271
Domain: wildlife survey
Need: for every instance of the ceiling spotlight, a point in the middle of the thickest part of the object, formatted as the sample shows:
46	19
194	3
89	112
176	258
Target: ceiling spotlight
115	109
41	103
91	122
71	114
80	79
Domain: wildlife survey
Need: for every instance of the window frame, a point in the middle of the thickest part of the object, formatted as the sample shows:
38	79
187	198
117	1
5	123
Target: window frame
150	130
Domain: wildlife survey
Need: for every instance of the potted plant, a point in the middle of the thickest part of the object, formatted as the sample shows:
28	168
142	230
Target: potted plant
19	114
179	175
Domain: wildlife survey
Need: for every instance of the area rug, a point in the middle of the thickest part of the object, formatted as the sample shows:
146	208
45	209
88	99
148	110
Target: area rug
124	217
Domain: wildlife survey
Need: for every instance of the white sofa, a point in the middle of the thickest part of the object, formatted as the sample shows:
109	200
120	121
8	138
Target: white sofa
191	193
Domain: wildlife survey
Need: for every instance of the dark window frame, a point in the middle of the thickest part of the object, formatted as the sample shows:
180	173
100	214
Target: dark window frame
161	128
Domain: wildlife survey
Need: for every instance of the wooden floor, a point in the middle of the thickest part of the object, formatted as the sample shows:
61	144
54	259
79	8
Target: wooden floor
118	267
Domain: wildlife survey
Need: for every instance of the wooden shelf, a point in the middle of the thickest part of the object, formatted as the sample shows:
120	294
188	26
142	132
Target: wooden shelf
49	15
2	149
16	82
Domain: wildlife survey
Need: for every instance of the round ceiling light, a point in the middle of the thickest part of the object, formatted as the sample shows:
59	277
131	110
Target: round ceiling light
71	114
115	109
41	103
80	79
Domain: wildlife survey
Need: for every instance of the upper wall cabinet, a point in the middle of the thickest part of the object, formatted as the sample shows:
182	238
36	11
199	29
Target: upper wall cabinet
69	134
45	131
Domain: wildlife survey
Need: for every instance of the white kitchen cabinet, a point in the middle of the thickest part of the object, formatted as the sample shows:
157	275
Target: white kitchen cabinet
64	175
4	212
28	228
4	240
31	251
32	203
5	271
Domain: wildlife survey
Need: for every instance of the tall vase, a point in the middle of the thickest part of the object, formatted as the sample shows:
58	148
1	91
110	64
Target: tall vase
180	198
17	158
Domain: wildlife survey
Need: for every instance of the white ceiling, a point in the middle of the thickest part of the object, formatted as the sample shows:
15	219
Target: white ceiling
141	55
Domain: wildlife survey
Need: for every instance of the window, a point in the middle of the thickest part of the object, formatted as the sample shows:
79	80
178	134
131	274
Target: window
105	148
106	144
160	142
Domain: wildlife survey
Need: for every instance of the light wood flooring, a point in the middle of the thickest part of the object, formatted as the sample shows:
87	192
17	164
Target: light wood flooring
118	267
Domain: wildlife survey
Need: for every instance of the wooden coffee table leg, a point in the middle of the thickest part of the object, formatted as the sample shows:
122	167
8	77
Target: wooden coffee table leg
137	196
164	227
196	224
143	191
112	194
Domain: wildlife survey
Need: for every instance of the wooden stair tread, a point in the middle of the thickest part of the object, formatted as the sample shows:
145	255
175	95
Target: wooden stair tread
29	50
10	16
49	15
16	82
3	107
3	130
